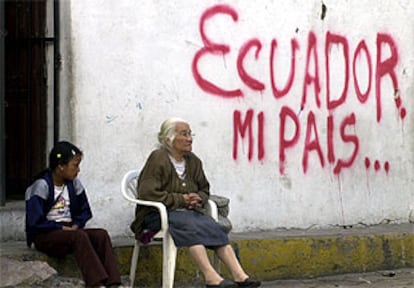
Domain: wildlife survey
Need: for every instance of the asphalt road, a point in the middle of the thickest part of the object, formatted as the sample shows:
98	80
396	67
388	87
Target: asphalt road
401	278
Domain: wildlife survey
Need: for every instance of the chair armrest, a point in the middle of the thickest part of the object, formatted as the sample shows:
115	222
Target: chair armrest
212	209
161	209
128	190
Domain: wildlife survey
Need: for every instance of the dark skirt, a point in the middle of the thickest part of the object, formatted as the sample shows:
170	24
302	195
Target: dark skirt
189	227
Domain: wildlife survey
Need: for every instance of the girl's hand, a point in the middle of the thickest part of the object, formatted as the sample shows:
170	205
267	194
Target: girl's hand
71	228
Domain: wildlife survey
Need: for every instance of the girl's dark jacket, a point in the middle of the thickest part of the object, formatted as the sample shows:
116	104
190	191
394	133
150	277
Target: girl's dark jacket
40	198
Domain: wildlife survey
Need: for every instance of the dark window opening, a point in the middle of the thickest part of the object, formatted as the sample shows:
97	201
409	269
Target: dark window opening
25	94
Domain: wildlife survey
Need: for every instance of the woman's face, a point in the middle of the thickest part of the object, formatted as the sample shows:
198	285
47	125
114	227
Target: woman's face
183	138
71	170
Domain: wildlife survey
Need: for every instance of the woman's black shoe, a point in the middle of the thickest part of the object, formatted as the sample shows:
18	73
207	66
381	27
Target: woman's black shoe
249	283
225	284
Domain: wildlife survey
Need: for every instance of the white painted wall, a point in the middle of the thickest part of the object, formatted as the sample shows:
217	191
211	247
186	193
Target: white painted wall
131	68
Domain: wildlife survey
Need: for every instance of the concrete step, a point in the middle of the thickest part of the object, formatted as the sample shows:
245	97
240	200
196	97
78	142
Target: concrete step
12	221
267	255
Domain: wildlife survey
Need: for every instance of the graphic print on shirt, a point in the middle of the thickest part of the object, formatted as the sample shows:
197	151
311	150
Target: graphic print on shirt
60	211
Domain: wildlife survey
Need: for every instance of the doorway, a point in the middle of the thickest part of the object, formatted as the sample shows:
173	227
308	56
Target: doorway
27	93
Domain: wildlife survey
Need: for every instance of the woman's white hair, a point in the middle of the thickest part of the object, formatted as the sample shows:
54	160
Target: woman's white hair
167	130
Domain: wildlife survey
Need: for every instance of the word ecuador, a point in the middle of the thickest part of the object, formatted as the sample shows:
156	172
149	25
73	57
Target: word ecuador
384	68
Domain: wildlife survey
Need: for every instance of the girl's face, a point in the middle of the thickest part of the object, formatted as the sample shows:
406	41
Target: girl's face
70	170
183	138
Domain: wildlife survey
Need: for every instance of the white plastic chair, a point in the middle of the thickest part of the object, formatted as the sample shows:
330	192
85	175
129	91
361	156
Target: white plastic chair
169	250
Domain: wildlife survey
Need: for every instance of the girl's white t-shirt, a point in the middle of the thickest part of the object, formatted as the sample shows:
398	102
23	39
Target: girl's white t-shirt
60	212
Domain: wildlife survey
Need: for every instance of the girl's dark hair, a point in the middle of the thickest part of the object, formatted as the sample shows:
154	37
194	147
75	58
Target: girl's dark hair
62	153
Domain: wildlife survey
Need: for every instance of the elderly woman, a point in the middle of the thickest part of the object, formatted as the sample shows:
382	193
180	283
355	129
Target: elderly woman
174	176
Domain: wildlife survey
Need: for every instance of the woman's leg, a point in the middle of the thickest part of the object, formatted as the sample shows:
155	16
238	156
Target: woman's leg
226	254
60	242
102	244
199	254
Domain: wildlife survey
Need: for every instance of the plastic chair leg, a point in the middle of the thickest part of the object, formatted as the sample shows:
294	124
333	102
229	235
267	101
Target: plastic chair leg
168	261
134	262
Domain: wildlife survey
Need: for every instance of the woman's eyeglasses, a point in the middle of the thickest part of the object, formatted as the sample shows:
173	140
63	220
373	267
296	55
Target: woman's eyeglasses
186	134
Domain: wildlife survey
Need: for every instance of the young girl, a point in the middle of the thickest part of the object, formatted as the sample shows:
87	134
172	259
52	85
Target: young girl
57	210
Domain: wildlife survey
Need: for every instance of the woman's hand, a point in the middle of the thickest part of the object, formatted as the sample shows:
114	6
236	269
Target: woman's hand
192	200
187	199
195	200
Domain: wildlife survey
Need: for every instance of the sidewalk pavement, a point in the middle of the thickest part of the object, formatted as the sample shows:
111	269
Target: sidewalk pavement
400	278
270	255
